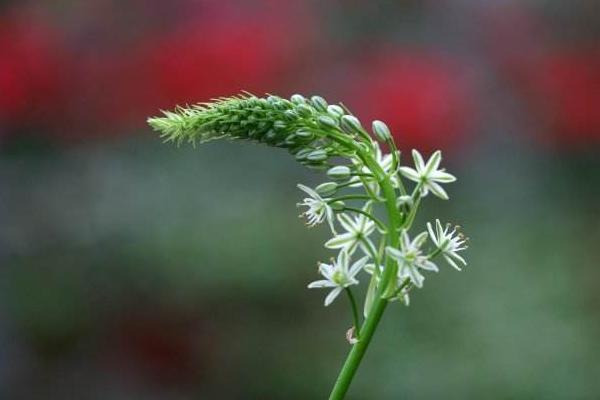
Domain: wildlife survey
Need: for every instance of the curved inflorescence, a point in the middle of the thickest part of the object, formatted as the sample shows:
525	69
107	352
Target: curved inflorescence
362	179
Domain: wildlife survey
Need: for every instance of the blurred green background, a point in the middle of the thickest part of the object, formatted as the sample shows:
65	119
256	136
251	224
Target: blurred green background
132	269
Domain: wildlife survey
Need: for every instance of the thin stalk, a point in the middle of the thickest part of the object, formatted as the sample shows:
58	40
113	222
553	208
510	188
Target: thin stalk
354	312
351	197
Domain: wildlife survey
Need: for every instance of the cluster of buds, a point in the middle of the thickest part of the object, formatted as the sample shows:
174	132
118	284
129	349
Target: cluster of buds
362	179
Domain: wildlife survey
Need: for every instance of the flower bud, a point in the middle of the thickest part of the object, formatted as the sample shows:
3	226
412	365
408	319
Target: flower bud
278	125
338	205
350	124
335	111
381	130
298	99
290	114
328	122
319	103
339	172
302	154
326	189
317	155
304	133
304	110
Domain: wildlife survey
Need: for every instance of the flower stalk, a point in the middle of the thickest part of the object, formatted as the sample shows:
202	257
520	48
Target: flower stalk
329	138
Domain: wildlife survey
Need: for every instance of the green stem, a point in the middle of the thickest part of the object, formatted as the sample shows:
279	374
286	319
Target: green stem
354	312
374	316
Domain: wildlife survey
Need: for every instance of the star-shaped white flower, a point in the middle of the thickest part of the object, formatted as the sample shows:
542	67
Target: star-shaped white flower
428	175
449	242
410	258
338	275
318	210
357	233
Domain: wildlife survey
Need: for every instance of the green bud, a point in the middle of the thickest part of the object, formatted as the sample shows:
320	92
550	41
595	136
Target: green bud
339	172
319	103
279	125
303	110
290	114
298	99
381	130
338	205
350	124
304	133
335	111
326	189
317	155
302	154
328	122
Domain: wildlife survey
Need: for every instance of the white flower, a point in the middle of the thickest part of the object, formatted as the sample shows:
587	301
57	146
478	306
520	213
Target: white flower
338	275
410	258
318	208
448	242
428	174
385	161
357	233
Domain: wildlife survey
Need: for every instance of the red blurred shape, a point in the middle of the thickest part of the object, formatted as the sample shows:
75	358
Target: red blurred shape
425	99
33	68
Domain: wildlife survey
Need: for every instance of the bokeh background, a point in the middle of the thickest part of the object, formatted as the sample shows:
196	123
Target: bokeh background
130	269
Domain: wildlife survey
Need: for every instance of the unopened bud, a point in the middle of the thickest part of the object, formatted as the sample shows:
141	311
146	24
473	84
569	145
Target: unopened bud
304	133
319	103
350	124
338	205
304	110
326	189
339	172
328	122
317	155
335	111
298	99
381	130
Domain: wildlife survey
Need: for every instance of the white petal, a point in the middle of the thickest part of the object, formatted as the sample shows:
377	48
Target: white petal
332	295
394	253
418	159
457	257
330	215
452	263
409	173
440	229
437	190
419	239
415	276
340	241
441	176
432	234
357	266
429	266
321	284
326	270
343	261
434	162
309	191
347	222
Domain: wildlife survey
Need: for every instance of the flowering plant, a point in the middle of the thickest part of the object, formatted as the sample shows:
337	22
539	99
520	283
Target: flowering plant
328	137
